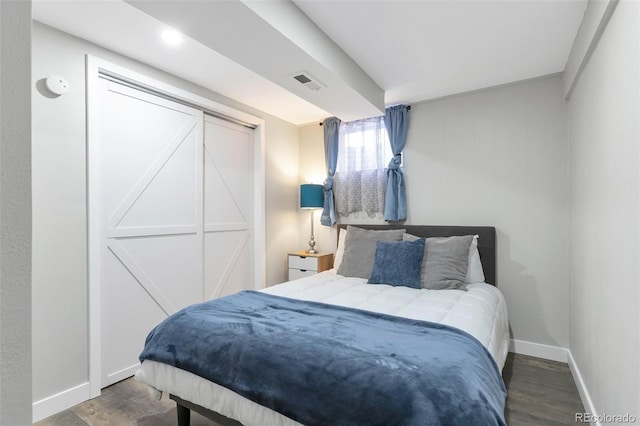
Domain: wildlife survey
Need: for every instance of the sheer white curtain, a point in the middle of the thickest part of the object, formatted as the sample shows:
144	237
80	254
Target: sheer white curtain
361	180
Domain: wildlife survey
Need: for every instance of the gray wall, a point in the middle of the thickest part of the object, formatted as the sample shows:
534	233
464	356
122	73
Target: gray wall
60	318
493	157
498	157
604	153
15	213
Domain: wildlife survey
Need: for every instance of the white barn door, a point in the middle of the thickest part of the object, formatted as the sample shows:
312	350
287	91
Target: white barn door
175	210
150	170
228	208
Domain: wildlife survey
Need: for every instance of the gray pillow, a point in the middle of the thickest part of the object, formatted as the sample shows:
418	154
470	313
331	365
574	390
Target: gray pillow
445	261
360	250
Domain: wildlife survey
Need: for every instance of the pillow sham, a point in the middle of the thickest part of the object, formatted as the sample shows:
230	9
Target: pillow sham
445	261
360	250
398	263
475	273
337	258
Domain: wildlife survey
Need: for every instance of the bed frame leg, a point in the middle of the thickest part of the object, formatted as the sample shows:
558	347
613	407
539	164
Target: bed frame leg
185	407
184	415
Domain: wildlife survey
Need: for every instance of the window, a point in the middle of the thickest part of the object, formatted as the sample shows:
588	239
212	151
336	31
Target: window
363	155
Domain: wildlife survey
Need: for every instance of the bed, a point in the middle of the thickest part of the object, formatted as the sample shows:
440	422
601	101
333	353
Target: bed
410	321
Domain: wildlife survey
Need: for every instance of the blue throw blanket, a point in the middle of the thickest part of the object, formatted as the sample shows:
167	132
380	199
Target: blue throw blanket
321	364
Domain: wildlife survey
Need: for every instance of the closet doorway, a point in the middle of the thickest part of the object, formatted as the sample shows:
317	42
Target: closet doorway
172	215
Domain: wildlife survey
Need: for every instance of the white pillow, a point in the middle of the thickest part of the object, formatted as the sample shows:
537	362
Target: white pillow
337	258
475	273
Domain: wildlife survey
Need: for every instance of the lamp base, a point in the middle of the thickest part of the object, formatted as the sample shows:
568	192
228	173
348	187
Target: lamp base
312	245
312	239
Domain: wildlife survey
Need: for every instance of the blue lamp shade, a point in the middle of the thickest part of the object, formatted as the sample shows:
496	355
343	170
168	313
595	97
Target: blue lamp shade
311	196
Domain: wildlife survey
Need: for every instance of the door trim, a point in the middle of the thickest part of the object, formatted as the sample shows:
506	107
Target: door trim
94	68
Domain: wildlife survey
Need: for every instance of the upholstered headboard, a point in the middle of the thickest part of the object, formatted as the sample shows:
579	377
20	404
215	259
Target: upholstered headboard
486	240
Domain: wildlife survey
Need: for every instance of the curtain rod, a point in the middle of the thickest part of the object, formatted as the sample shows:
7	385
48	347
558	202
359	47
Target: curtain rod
408	108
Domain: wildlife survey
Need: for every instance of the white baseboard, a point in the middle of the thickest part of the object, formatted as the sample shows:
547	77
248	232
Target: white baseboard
120	375
556	353
553	353
582	390
61	401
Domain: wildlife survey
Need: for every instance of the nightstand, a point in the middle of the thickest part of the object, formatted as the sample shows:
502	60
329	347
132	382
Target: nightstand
302	264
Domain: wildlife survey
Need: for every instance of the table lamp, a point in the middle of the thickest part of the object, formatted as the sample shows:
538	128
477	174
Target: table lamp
311	197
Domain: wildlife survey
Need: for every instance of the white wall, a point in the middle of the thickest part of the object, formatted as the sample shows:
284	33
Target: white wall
60	324
604	153
495	157
281	197
313	170
15	213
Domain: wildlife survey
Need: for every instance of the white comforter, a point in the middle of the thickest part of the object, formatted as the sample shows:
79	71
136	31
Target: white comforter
481	311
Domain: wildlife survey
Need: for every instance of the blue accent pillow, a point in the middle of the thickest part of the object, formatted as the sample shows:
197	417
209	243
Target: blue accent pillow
398	263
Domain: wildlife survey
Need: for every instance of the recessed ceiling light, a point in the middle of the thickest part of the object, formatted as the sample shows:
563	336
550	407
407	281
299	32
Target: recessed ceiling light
171	37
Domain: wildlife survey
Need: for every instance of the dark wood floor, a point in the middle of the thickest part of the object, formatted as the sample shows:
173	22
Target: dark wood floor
540	392
126	403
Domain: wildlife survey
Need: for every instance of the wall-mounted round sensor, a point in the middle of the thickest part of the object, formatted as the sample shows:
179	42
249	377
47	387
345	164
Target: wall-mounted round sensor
57	85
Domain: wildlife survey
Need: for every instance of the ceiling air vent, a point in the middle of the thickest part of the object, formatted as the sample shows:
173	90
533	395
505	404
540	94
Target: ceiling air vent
307	80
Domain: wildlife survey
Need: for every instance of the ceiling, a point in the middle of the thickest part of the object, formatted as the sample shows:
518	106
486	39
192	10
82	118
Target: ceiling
364	54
